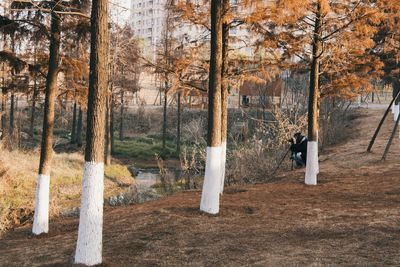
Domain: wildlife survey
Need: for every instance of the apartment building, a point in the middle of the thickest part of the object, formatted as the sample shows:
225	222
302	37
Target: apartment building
147	19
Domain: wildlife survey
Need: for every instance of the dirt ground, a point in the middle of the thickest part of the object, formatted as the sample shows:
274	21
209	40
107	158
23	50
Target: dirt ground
351	218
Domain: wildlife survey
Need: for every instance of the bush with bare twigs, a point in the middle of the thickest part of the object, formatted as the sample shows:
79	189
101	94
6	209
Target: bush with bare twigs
256	158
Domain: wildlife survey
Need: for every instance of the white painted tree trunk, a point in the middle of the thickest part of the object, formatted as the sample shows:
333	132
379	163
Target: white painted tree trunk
396	112
358	101
223	164
312	167
212	181
89	244
41	217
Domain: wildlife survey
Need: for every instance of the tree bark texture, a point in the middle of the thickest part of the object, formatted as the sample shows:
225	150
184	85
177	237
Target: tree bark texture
212	177
313	100
98	82
89	242
224	92
224	72
46	150
215	77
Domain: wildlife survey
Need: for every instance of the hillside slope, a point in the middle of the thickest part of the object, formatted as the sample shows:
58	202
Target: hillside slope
351	218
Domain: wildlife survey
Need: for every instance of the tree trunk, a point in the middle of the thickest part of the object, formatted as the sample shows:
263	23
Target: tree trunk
164	128
79	127
19	124
16	108
73	130
312	168
12	112
389	144
89	243
395	108
3	112
107	152
3	100
371	143
34	95
121	124
112	124
33	109
212	178
224	93
178	128
41	217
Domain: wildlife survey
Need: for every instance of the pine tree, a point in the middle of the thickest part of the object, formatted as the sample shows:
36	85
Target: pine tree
41	219
89	243
212	178
224	88
54	9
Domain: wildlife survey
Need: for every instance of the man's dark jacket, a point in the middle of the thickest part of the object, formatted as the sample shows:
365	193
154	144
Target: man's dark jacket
300	146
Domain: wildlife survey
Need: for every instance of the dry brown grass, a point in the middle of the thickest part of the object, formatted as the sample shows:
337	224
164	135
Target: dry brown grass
18	173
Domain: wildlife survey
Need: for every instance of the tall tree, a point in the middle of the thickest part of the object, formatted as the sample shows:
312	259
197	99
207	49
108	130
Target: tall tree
167	36
55	9
212	178
312	168
224	88
41	217
89	243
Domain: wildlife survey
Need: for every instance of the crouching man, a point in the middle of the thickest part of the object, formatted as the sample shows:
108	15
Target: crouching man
299	149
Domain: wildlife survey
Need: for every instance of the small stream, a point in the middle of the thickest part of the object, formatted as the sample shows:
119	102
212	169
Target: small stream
145	178
141	191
